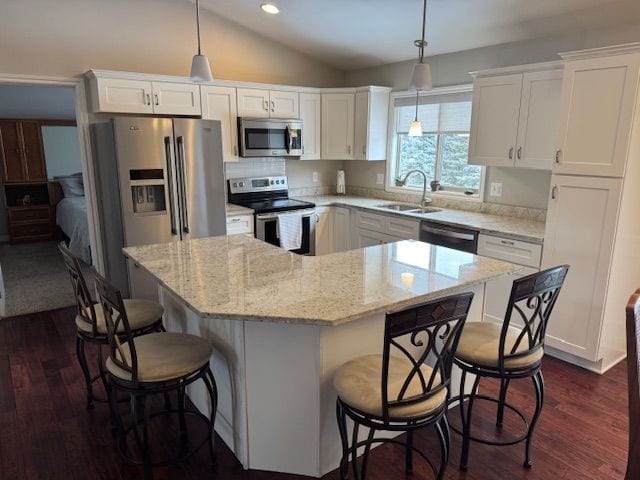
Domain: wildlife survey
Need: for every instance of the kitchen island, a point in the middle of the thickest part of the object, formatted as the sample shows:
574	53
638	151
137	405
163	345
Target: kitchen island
281	324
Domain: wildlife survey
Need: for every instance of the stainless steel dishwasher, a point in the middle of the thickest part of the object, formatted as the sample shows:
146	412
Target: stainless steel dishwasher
457	238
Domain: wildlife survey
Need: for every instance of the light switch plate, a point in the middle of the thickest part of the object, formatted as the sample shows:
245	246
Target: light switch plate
315	177
496	189
380	179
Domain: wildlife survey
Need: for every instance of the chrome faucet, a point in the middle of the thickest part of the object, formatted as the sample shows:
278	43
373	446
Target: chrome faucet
425	201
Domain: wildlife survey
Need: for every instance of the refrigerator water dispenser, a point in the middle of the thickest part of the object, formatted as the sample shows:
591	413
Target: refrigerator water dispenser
148	191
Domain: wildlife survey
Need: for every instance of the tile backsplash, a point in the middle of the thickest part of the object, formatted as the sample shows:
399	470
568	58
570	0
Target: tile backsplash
255	167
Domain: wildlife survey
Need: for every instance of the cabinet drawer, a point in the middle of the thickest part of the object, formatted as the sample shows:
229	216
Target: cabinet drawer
515	251
239	224
28	214
371	221
403	227
30	230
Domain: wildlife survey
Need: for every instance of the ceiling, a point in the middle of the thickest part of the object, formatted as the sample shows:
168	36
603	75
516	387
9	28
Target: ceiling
351	34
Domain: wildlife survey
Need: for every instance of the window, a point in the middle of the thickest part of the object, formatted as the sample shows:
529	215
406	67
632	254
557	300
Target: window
443	149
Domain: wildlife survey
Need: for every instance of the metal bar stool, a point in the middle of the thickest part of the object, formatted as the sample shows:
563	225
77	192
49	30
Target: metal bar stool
145	317
509	351
633	369
400	392
152	364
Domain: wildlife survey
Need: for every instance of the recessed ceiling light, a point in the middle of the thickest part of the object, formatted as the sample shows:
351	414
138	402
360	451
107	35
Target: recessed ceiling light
269	8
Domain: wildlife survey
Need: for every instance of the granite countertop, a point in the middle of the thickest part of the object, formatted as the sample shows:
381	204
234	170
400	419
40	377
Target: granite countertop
233	209
512	227
239	277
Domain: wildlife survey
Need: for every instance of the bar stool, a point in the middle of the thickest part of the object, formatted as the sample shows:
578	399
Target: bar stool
400	392
509	351
633	373
145	316
147	365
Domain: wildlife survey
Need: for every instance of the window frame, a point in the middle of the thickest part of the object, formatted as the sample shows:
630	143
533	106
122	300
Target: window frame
392	148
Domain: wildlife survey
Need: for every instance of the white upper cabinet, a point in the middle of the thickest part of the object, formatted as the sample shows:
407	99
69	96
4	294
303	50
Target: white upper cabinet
338	111
122	95
253	102
176	98
515	118
371	121
539	118
310	114
597	107
219	103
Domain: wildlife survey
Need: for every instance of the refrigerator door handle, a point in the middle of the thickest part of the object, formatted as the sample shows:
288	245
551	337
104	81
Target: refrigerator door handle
167	153
182	184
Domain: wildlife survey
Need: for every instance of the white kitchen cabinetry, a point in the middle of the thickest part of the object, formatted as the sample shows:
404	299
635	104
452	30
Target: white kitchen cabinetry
598	105
338	126
371	121
240	224
341	229
219	103
374	229
497	292
367	238
515	116
124	95
310	114
253	102
324	230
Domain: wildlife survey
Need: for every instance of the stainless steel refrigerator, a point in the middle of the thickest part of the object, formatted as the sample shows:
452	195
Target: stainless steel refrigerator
160	180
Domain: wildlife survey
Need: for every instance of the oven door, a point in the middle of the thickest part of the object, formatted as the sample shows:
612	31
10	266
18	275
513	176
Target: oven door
266	230
270	138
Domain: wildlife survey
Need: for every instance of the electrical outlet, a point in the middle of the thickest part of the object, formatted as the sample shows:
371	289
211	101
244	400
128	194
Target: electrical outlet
315	177
380	179
496	189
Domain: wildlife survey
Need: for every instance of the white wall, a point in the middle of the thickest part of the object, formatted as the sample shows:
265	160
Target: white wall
61	150
68	37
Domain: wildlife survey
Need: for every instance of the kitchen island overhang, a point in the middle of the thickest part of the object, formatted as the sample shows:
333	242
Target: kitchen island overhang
281	324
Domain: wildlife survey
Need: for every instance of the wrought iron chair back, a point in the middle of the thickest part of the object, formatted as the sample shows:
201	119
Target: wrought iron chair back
633	372
531	301
434	328
118	328
84	301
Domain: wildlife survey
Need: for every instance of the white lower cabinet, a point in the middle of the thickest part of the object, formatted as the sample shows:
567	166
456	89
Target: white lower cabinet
240	224
367	238
141	283
324	230
341	229
375	229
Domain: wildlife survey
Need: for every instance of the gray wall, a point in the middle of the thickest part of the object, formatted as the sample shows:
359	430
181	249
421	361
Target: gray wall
20	101
61	150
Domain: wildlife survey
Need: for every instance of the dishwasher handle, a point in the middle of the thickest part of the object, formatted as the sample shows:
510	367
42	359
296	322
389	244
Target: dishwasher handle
448	233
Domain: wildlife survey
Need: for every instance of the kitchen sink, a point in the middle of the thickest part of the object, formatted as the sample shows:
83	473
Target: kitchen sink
424	211
398	207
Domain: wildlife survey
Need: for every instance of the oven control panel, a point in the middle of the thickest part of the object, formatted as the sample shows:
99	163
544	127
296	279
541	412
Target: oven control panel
257	184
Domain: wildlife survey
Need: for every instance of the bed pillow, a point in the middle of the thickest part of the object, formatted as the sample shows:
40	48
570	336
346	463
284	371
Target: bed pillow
72	185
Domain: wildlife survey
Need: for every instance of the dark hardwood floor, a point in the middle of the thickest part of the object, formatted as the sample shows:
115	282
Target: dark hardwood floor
46	431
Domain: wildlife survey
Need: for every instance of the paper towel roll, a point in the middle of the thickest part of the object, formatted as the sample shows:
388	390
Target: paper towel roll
340	184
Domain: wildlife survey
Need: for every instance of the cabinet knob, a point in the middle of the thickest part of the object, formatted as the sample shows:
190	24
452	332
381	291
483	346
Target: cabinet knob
148	99
349	149
519	153
156	98
554	192
511	153
558	153
273	106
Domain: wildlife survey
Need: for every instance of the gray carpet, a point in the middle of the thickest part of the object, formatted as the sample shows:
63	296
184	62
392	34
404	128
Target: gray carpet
36	279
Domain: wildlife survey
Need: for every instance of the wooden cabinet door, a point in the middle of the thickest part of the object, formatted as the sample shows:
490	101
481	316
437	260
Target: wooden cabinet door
171	98
361	128
539	119
341	229
311	122
580	229
253	103
123	96
219	103
12	159
597	107
338	126
33	152
494	120
284	104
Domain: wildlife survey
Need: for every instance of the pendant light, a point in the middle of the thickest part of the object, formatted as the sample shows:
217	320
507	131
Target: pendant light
415	130
421	74
200	68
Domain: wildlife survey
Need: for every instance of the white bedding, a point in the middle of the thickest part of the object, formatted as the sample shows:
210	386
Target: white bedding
71	217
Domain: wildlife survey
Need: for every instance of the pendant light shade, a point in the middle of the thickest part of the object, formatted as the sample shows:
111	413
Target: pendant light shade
200	67
415	130
421	77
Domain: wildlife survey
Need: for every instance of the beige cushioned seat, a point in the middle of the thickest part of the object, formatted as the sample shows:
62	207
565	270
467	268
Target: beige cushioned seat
358	383
164	356
479	343
140	313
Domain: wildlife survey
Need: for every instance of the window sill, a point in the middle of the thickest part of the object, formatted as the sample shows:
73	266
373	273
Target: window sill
444	194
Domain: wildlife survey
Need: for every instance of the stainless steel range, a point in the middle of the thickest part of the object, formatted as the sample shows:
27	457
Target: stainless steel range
269	197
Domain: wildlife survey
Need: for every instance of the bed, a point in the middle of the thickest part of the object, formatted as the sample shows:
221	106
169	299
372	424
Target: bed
71	217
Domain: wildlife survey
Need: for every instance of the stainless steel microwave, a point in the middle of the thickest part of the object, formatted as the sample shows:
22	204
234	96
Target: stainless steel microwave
270	137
